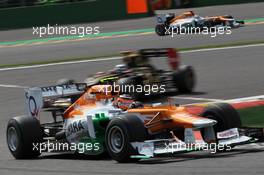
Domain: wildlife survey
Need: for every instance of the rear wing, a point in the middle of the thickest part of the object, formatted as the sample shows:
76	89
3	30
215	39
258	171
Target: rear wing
170	53
165	18
155	52
161	19
36	96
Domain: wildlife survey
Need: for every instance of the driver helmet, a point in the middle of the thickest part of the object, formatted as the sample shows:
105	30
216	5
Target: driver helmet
120	68
126	96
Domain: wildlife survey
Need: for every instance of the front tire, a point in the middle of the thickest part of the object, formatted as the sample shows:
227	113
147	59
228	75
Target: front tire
22	133
120	132
225	115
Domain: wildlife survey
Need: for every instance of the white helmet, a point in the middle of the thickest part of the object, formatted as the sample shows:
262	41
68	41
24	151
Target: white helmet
120	68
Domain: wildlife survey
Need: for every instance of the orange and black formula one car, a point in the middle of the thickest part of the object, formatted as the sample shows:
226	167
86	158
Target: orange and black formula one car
97	123
137	71
191	21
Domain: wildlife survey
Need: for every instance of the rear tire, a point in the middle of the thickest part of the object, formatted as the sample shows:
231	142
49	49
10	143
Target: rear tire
160	30
120	132
184	79
21	133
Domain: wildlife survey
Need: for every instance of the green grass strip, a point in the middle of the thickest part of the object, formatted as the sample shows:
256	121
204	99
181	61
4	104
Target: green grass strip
254	20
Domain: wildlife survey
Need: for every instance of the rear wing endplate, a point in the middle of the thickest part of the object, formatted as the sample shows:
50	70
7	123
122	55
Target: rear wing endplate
35	96
170	53
155	52
161	19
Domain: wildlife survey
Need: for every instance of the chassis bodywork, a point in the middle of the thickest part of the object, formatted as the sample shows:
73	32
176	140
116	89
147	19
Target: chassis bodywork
193	21
148	131
140	71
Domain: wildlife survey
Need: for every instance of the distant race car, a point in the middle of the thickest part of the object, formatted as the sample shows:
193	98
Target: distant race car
169	22
138	71
94	125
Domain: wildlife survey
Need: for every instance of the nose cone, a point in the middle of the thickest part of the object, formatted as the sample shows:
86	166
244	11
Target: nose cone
203	122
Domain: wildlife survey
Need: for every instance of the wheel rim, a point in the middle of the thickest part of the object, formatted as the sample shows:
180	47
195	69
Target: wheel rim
116	139
12	139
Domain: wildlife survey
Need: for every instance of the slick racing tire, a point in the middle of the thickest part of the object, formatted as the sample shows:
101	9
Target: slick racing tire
120	132
184	79
160	29
225	115
23	132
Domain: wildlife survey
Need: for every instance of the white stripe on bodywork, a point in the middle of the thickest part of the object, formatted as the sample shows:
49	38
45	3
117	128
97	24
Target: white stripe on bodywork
91	129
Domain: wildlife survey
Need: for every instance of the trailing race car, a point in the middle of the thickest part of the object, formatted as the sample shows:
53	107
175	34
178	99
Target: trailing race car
93	125
137	72
168	23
